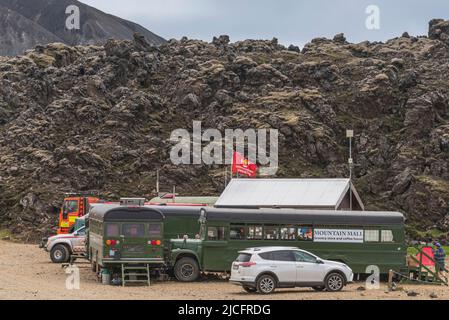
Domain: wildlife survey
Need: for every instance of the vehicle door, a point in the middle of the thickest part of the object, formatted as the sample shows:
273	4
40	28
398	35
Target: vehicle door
141	240
283	264
215	253
134	241
79	241
308	268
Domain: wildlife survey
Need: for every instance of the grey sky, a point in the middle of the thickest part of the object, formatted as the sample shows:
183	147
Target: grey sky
291	21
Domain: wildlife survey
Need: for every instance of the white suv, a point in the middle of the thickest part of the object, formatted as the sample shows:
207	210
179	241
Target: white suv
265	269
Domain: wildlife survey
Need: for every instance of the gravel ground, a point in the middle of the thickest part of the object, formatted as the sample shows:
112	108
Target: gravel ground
27	273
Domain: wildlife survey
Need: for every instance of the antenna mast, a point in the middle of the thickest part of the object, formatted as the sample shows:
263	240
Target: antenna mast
157	182
350	136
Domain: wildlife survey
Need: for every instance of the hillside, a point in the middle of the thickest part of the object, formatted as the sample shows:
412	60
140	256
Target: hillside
100	118
25	23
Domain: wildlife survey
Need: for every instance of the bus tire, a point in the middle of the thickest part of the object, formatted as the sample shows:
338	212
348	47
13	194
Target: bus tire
59	254
187	270
334	282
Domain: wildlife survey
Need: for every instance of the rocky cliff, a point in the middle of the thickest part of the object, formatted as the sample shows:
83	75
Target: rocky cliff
27	23
100	118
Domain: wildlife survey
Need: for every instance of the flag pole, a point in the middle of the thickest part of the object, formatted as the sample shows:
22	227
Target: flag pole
157	183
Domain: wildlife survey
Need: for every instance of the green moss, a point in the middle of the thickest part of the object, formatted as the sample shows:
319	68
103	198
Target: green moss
435	183
42	60
5	234
415	232
412	251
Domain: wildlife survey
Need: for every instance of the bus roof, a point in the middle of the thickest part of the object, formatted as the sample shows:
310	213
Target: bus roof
281	216
108	212
116	212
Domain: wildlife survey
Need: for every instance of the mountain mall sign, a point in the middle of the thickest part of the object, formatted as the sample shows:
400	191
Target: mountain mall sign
338	235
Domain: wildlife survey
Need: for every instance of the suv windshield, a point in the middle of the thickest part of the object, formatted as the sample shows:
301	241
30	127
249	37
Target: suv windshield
81	232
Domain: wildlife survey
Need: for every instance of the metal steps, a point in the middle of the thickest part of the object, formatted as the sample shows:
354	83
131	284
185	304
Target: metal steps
138	273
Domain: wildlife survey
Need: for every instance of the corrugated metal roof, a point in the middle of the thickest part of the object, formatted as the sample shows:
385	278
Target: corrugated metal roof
293	193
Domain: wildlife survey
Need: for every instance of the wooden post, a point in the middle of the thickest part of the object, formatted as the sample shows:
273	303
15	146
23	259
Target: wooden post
390	279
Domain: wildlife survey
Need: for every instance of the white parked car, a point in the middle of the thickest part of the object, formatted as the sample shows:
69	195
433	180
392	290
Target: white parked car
61	247
265	269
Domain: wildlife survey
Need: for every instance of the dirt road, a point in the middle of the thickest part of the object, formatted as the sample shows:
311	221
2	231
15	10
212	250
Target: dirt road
27	273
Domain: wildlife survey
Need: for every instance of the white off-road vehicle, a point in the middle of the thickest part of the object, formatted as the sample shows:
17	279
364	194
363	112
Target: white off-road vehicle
63	247
265	269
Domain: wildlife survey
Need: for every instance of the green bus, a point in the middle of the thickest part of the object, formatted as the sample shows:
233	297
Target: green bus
120	234
358	239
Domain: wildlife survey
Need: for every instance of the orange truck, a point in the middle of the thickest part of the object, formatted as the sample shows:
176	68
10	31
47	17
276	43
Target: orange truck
74	207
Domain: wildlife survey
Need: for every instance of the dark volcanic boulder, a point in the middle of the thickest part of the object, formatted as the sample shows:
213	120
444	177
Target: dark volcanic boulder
439	30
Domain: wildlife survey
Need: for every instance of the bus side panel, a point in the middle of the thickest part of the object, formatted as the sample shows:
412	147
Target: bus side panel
178	227
96	242
219	255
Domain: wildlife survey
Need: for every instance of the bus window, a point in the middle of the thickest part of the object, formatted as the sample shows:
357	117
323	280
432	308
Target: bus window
154	230
255	233
288	233
112	230
134	230
216	234
237	233
271	233
386	236
371	235
305	234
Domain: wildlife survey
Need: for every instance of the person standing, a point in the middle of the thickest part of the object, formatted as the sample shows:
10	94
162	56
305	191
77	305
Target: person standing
440	259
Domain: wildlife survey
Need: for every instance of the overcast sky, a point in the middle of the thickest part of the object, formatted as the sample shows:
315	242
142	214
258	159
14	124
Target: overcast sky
291	21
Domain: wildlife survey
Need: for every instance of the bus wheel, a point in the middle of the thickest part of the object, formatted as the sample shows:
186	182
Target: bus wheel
59	254
187	270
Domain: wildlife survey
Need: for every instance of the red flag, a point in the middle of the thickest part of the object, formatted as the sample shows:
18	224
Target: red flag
243	166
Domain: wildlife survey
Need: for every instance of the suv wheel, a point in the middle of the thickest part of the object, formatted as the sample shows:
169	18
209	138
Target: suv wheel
250	289
334	282
59	254
266	284
187	270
